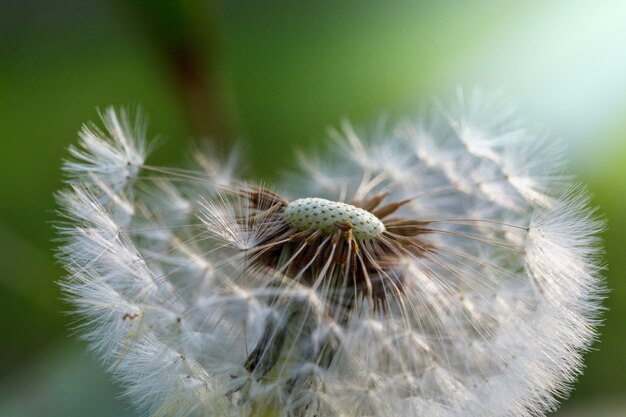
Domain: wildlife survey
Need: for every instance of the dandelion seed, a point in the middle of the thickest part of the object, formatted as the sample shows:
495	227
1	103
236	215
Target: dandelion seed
442	271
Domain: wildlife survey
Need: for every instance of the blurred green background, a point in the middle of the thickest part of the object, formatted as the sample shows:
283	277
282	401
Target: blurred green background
276	74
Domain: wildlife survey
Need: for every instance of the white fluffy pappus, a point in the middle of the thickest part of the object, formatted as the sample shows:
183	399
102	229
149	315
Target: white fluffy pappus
474	291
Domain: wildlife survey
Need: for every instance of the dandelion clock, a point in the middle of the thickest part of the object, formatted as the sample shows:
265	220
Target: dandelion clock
446	267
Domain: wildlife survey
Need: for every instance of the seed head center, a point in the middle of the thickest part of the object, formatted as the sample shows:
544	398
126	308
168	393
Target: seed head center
321	214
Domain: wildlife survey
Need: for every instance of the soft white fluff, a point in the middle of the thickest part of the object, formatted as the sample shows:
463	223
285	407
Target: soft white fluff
492	322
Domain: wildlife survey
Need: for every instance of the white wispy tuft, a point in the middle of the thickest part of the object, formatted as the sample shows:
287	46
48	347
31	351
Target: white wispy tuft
476	296
108	160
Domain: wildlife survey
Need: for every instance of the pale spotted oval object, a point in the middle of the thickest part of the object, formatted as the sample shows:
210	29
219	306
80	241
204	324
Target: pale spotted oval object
321	214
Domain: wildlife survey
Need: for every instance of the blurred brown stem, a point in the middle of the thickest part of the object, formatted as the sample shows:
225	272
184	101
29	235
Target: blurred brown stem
185	34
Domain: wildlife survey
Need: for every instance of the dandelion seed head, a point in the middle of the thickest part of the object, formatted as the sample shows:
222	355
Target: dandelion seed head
449	268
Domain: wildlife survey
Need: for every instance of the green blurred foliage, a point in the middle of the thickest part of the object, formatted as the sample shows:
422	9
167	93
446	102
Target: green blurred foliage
279	73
